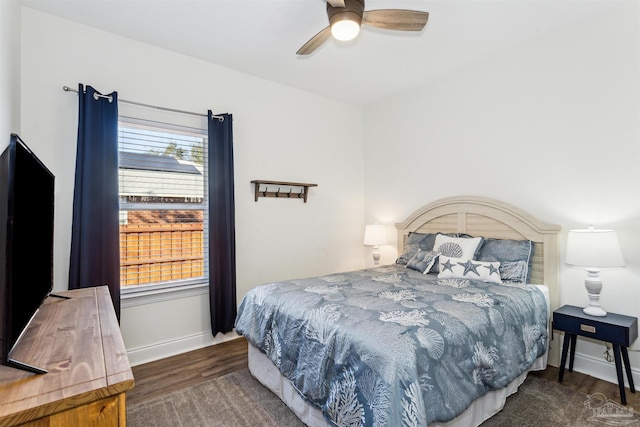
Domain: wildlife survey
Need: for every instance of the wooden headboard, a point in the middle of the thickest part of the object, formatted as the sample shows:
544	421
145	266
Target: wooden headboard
481	216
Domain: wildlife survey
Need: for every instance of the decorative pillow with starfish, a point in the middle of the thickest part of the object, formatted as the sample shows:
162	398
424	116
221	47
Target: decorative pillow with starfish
461	268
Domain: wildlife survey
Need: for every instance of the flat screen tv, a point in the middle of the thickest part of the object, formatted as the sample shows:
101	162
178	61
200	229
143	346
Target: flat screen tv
26	244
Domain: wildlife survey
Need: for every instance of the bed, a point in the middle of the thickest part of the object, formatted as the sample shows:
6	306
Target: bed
441	337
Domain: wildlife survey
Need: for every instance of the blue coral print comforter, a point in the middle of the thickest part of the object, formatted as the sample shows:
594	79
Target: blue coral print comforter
390	346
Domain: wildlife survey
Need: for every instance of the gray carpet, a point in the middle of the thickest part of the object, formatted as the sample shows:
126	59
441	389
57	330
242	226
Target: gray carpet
237	400
540	402
233	400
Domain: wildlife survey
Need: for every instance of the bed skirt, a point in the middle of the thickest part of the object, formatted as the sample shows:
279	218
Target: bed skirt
480	410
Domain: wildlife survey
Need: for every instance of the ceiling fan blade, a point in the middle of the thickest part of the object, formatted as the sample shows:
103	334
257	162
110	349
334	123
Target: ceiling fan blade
336	3
396	19
315	42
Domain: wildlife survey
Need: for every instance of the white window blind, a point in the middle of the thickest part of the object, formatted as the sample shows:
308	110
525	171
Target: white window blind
163	199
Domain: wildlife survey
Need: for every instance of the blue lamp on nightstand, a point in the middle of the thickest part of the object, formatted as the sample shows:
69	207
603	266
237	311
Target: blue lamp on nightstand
594	249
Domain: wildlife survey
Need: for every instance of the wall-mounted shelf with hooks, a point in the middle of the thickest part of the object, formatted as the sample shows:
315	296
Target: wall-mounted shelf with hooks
275	190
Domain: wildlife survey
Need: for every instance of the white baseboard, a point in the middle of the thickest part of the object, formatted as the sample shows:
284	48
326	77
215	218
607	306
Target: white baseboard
600	368
150	353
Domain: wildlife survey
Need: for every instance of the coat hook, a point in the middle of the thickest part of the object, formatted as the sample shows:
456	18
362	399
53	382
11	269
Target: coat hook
278	192
289	194
266	190
300	193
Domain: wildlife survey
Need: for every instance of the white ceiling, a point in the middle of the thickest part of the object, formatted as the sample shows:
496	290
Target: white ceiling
261	37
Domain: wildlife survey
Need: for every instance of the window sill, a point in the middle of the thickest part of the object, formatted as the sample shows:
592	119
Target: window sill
142	295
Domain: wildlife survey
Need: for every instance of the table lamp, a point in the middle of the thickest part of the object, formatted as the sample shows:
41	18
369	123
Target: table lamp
375	235
593	249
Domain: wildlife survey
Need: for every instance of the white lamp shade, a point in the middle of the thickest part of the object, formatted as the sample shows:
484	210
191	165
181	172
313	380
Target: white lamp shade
345	30
375	235
594	248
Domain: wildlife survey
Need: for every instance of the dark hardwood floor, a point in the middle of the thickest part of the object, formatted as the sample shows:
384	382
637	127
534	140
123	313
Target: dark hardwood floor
590	385
177	372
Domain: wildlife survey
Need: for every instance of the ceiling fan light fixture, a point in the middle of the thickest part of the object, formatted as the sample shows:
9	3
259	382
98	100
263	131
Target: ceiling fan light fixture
347	16
345	21
345	30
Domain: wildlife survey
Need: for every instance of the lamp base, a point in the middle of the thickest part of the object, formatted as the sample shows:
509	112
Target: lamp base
376	255
594	311
593	283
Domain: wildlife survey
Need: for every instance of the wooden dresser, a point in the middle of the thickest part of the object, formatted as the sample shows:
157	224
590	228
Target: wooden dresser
78	341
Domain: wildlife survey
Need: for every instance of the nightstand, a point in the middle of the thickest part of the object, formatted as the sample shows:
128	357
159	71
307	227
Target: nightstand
616	329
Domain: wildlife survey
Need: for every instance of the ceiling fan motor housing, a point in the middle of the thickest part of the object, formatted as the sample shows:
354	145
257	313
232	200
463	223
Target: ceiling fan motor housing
352	11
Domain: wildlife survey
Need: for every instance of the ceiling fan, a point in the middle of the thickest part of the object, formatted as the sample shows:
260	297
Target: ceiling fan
346	17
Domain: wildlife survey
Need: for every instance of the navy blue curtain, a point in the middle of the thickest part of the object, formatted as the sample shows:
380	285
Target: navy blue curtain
95	252
222	230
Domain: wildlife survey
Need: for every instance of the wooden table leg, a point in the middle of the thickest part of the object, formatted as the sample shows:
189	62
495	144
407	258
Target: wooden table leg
565	348
616	355
627	367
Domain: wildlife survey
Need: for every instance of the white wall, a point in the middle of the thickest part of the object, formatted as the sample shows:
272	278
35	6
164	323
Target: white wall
279	134
9	70
551	127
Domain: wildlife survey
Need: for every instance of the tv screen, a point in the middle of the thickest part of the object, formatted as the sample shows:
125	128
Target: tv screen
26	243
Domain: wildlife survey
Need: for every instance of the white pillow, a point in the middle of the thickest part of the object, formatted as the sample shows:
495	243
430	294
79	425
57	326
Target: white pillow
460	268
457	247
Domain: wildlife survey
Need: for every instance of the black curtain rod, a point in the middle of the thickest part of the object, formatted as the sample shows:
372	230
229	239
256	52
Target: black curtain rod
221	118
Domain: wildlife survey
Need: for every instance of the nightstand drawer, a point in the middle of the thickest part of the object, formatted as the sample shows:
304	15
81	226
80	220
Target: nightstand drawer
612	328
588	328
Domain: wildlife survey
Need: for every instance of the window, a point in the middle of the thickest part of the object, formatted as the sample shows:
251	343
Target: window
163	200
